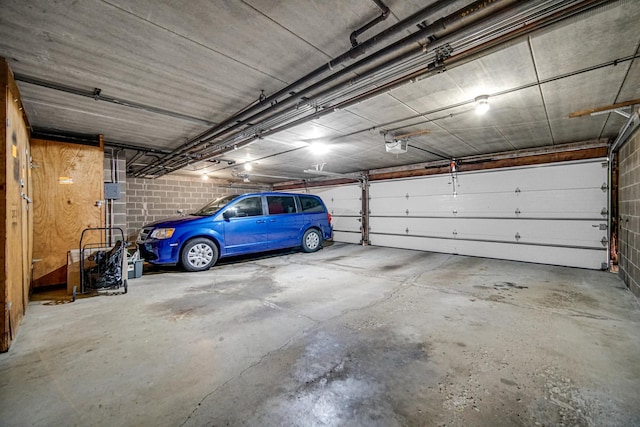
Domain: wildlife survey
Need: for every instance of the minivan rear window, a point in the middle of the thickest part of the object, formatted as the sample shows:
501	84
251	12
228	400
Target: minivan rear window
281	204
310	204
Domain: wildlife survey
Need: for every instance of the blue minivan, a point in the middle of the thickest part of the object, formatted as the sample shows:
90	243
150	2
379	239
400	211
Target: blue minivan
237	225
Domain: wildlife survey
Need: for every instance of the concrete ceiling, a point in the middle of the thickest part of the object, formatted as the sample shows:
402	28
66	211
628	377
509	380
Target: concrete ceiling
169	71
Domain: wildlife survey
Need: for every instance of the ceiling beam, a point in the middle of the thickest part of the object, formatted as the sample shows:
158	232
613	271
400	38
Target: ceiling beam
604	108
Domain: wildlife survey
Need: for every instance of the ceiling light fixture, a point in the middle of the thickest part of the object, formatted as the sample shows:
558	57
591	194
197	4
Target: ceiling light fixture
318	148
248	167
205	176
482	104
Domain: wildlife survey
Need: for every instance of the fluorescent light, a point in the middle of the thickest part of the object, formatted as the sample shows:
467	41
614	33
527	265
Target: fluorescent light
248	167
482	104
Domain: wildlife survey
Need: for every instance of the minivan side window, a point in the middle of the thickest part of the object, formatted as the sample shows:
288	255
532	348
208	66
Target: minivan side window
310	204
251	206
281	204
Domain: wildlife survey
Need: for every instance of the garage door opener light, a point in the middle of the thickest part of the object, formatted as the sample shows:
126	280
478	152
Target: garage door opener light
482	104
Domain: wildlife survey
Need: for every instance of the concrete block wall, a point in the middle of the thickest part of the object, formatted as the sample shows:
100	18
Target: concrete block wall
155	199
115	171
629	213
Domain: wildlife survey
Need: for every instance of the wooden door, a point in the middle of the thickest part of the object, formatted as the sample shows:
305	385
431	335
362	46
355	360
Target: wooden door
67	198
14	219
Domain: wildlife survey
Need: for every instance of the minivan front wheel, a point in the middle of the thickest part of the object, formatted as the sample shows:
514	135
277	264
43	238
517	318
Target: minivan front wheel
199	254
312	240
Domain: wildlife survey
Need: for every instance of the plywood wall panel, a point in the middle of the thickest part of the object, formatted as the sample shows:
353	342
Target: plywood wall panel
67	183
14	213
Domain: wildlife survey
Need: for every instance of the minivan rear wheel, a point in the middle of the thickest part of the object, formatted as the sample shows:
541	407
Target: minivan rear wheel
199	254
312	240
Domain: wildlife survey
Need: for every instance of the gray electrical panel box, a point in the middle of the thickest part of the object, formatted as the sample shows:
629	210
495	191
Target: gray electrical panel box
111	191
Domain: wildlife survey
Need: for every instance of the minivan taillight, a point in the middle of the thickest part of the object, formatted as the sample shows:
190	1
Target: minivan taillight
329	217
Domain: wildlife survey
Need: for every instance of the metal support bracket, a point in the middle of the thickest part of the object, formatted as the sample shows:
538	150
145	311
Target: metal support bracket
27	198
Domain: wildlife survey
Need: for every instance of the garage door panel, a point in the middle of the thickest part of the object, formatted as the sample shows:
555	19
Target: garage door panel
341	200
560	205
344	203
557	176
526	231
354	237
577	175
426	186
572	257
575	204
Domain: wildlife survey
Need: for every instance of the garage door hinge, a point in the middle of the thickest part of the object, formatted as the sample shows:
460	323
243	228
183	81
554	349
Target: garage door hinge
604	242
455	233
600	226
407	230
604	212
517	212
407	211
517	190
407	196
604	187
517	236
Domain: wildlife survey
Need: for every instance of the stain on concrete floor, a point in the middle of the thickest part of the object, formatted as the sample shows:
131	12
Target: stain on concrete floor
346	336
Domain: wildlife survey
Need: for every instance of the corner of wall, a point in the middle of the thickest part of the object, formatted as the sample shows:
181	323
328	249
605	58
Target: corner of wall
629	213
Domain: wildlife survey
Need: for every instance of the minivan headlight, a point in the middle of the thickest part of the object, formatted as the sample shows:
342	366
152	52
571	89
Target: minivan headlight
162	233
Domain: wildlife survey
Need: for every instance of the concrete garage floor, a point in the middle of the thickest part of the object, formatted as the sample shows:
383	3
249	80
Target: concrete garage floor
350	335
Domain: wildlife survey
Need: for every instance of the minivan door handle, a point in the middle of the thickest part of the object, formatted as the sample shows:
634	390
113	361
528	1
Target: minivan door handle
260	221
272	220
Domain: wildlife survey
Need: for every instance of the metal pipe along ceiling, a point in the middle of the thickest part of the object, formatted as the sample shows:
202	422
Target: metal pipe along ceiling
474	26
470	45
458	19
274	99
447	25
385	13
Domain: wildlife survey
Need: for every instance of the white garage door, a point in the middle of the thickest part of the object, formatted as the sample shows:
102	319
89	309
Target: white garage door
551	214
344	203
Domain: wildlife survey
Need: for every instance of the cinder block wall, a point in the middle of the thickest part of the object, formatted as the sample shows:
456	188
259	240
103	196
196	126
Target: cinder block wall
154	199
629	213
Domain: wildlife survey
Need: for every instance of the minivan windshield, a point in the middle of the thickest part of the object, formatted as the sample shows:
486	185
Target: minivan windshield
214	206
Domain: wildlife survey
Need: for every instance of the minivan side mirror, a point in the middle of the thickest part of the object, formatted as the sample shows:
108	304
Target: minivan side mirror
229	213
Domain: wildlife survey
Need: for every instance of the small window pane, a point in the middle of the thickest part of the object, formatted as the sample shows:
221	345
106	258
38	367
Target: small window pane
251	206
310	204
281	205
